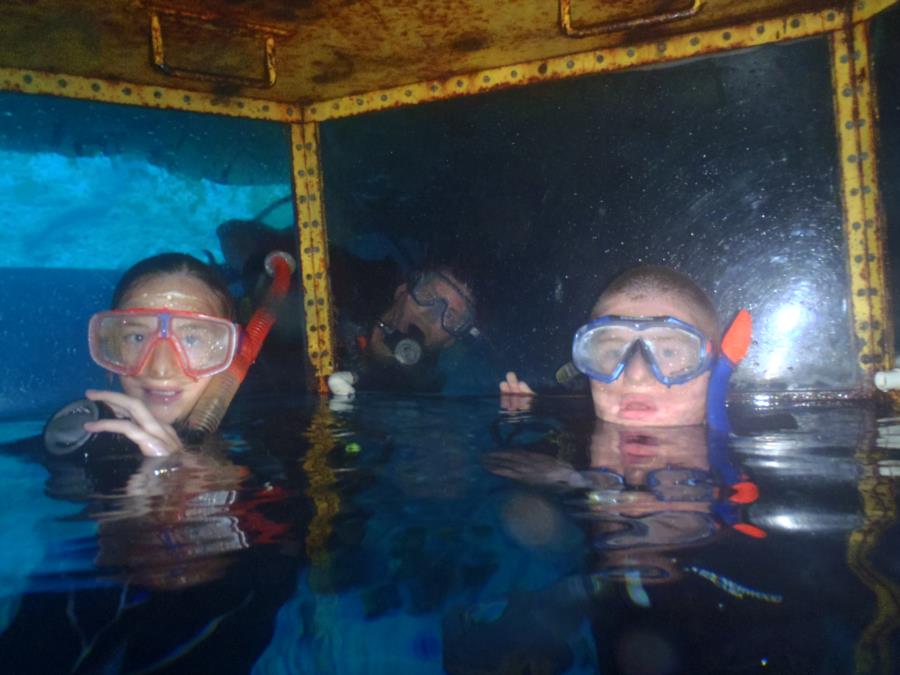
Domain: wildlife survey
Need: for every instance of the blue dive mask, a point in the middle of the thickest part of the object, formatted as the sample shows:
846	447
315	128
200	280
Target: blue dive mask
675	351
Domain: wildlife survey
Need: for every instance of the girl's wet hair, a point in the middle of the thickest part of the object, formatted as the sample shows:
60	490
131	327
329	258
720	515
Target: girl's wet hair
659	280
175	263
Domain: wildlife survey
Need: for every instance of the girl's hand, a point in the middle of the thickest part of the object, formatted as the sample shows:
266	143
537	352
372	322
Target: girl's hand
135	421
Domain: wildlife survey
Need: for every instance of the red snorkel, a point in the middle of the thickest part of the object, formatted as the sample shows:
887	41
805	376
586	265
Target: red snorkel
210	409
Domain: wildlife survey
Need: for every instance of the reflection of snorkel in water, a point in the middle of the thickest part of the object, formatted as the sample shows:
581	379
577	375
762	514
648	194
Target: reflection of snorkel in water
210	409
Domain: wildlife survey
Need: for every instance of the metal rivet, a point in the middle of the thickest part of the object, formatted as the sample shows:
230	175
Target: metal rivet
858	258
726	35
290	111
854	191
661	47
570	64
871	257
847	91
542	69
301	172
869	222
459	83
851	158
127	91
335	106
312	198
514	73
27	79
849	125
844	58
829	16
864	325
760	29
631	53
384	97
313	110
408	92
186	98
315	223
308	146
856	226
61	83
311	172
359	101
863	156
866	189
265	108
486	78
599	58
695	41
861	292
299	146
795	23
434	87
302	199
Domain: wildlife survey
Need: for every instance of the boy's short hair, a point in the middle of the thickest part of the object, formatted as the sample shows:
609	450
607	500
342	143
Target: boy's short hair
648	280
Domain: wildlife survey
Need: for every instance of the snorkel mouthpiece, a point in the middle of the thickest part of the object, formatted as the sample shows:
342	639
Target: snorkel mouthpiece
735	344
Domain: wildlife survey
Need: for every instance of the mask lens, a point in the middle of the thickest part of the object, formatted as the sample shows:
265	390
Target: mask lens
205	343
675	351
455	320
119	342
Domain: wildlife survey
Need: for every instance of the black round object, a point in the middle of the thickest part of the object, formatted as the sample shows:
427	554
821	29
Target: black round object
65	434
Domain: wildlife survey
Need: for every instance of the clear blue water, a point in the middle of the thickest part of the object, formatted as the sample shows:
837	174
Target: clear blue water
428	535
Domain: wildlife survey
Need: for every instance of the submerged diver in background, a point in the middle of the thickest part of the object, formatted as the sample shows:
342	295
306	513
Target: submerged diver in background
398	349
171	328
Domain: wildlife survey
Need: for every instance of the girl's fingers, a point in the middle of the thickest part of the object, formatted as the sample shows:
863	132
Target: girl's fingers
150	445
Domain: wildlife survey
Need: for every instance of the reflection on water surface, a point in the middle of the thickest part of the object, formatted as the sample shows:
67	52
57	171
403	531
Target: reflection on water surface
447	535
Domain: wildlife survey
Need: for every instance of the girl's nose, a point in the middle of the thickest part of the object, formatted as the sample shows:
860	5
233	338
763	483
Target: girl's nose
163	361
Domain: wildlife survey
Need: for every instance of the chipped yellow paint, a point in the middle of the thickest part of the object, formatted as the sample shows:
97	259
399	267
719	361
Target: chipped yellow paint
114	91
310	214
863	10
584	63
855	120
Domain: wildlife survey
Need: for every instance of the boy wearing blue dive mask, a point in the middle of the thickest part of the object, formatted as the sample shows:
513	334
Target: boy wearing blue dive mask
648	350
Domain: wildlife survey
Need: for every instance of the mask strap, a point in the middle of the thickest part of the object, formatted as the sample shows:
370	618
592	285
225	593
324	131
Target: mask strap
735	344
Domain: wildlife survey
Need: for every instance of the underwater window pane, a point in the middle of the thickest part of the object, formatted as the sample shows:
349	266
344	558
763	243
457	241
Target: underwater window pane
86	190
724	167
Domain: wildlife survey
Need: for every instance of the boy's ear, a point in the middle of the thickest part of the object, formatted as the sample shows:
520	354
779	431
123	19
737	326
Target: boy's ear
399	291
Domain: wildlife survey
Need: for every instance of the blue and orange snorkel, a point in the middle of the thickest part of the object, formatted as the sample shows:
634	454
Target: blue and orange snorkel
735	344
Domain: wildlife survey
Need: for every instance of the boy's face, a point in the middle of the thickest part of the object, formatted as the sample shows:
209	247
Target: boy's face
637	398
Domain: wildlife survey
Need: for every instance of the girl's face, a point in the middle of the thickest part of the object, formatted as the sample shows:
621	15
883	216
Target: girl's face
162	385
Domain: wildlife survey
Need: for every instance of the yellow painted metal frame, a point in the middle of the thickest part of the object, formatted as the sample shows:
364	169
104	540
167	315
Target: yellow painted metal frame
847	24
311	233
856	123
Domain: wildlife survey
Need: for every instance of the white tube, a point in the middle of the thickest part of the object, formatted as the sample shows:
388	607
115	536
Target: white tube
886	380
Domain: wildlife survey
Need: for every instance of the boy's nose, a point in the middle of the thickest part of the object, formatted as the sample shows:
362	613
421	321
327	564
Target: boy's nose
636	368
163	361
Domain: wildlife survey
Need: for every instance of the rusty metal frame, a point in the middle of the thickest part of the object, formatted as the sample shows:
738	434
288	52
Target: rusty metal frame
265	33
306	164
565	20
855	110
